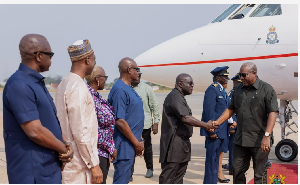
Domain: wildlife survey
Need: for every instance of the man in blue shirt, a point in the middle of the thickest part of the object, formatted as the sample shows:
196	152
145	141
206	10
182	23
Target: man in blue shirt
214	103
32	134
128	109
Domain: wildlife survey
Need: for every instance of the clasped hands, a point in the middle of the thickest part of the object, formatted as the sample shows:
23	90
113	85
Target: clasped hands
211	126
66	157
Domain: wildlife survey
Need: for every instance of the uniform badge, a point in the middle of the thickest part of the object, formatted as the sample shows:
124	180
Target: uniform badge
272	36
215	85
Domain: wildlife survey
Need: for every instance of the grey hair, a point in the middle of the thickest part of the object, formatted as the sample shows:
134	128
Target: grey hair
90	78
250	65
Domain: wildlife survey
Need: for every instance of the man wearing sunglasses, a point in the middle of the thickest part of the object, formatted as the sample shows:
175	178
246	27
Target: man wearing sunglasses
176	129
128	109
32	133
214	103
256	108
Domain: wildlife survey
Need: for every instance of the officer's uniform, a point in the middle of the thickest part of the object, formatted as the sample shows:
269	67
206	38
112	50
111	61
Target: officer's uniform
231	136
214	104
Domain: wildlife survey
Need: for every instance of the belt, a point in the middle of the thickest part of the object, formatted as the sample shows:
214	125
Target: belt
14	135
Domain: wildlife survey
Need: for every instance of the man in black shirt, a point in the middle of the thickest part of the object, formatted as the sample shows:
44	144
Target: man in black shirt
176	129
256	108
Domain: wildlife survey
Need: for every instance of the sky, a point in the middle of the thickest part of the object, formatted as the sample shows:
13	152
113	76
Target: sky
115	31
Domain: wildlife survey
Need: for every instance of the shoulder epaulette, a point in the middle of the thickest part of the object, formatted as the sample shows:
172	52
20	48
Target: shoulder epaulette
215	85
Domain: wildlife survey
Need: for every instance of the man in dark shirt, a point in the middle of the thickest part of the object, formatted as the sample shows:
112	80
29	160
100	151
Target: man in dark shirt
256	108
176	129
31	130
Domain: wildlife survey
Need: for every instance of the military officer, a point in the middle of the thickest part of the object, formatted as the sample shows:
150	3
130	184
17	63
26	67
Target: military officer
232	129
215	102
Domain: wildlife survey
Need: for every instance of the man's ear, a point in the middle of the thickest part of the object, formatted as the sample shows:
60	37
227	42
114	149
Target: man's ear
180	84
87	60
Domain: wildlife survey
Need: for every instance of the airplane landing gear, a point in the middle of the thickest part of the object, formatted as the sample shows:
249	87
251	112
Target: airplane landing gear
286	150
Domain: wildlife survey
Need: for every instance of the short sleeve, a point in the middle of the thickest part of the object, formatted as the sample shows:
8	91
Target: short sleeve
179	107
22	102
119	100
271	100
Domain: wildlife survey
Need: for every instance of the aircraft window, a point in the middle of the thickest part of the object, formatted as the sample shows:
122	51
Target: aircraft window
242	11
267	10
226	13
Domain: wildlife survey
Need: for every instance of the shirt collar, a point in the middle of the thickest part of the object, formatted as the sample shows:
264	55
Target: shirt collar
255	85
221	86
35	76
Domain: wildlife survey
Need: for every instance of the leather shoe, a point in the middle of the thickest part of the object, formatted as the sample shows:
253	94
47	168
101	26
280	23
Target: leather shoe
149	173
225	166
223	181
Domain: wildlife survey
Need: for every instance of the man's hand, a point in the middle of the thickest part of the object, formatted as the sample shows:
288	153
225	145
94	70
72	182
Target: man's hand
232	129
113	156
210	126
97	176
213	136
139	148
155	128
265	144
67	157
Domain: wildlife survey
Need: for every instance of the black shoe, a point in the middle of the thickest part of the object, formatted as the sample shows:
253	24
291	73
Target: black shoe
225	166
149	173
268	165
131	179
223	181
230	172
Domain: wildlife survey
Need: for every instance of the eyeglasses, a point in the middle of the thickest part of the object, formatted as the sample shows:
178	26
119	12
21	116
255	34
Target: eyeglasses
190	83
136	68
102	76
50	54
244	74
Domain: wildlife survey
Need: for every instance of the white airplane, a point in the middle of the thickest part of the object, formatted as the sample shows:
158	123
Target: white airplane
265	34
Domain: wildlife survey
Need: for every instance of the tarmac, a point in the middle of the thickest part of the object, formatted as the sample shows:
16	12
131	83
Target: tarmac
195	170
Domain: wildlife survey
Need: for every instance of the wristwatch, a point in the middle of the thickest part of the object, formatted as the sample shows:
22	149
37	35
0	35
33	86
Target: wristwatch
142	139
267	134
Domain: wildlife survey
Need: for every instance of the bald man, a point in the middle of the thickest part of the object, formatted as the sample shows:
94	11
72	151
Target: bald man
32	133
176	129
128	109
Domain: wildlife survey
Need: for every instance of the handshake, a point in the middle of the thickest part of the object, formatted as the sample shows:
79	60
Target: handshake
211	126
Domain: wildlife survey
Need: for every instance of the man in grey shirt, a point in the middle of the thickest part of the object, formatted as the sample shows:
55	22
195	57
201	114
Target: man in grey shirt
151	112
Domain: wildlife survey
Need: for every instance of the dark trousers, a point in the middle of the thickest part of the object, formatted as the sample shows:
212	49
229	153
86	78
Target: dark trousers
172	173
148	154
104	166
212	160
230	147
241	163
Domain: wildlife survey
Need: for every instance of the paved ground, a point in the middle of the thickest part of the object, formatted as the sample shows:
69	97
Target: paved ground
195	171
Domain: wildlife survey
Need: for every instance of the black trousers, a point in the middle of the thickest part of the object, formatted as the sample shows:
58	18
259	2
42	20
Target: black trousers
104	166
172	173
241	163
148	154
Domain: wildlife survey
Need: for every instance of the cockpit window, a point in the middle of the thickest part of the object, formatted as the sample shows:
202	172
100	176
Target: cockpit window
267	10
242	11
226	13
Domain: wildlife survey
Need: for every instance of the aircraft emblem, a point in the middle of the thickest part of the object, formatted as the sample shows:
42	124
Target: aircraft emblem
272	36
